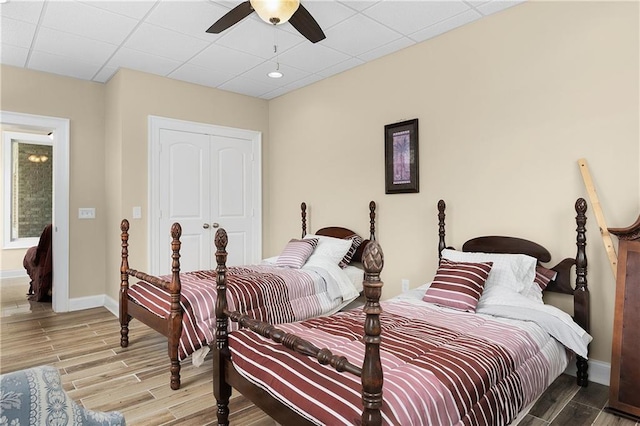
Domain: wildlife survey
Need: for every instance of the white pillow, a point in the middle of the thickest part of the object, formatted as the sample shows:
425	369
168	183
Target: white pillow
514	271
333	248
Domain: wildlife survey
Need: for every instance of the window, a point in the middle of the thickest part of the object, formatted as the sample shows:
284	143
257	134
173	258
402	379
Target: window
28	187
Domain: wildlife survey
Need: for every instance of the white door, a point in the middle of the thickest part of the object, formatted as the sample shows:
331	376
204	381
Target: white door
206	181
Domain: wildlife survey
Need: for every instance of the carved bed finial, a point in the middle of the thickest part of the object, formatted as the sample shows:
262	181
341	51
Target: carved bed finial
372	258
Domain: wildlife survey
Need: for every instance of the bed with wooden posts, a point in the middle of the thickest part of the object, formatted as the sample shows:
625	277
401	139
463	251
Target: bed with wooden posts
317	274
421	359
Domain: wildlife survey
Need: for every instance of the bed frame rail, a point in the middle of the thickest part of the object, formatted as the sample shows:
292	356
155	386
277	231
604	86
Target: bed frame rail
371	370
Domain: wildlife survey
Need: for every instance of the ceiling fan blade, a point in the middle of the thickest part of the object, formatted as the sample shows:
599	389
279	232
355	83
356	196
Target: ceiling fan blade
306	25
232	17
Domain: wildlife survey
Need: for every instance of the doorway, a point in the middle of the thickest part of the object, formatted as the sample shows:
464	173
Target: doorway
204	177
59	129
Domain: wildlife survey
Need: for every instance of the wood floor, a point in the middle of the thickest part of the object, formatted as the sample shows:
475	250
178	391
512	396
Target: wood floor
100	375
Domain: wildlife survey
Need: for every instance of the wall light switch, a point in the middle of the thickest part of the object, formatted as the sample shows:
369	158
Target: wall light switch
137	212
405	284
86	213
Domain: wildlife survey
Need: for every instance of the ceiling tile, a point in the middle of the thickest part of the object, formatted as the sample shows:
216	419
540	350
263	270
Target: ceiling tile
220	57
132	9
141	61
192	18
73	46
13	55
88	21
201	75
312	60
358	5
26	11
105	74
386	49
358	34
341	67
497	6
448	25
17	33
414	15
247	86
43	61
164	42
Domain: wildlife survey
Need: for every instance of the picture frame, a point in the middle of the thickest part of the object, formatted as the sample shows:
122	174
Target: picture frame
401	157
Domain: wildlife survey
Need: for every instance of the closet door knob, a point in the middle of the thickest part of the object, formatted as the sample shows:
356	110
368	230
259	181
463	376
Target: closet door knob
205	226
215	224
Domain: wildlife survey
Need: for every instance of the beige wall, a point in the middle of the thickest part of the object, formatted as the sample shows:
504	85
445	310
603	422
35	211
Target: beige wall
82	103
506	107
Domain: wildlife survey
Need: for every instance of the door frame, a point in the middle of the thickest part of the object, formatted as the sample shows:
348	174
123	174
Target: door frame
60	237
156	124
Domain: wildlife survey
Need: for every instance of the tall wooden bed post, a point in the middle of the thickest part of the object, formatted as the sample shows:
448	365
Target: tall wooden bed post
124	284
371	377
175	317
171	328
221	389
581	291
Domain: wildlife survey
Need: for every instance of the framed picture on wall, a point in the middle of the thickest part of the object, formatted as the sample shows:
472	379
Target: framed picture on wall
401	157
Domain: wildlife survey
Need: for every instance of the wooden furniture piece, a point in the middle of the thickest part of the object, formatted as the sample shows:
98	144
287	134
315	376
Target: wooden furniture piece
624	386
226	376
171	325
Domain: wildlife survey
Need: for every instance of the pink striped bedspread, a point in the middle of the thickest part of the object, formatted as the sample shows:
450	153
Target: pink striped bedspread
267	293
440	367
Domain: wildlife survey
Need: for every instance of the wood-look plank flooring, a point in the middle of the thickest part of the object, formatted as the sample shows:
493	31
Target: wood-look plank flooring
100	375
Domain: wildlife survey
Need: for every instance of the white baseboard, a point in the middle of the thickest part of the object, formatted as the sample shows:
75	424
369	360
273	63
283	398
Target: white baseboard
80	303
112	305
599	371
14	273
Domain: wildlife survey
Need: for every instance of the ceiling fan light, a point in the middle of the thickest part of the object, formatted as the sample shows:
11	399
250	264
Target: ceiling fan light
275	12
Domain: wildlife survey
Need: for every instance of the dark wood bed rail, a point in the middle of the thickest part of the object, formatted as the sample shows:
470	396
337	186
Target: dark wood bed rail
562	282
371	370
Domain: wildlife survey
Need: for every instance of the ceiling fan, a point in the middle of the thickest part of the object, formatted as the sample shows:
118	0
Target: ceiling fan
274	12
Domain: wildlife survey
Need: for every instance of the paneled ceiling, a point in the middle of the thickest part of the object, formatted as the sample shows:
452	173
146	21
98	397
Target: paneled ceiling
92	39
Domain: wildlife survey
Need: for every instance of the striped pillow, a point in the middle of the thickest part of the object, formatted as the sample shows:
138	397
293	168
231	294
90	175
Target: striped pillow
356	240
296	252
544	276
458	285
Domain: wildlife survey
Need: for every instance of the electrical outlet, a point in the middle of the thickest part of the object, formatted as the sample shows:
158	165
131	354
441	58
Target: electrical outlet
86	213
405	284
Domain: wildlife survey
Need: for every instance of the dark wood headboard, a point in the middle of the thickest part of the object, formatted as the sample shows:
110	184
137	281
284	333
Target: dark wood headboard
340	232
